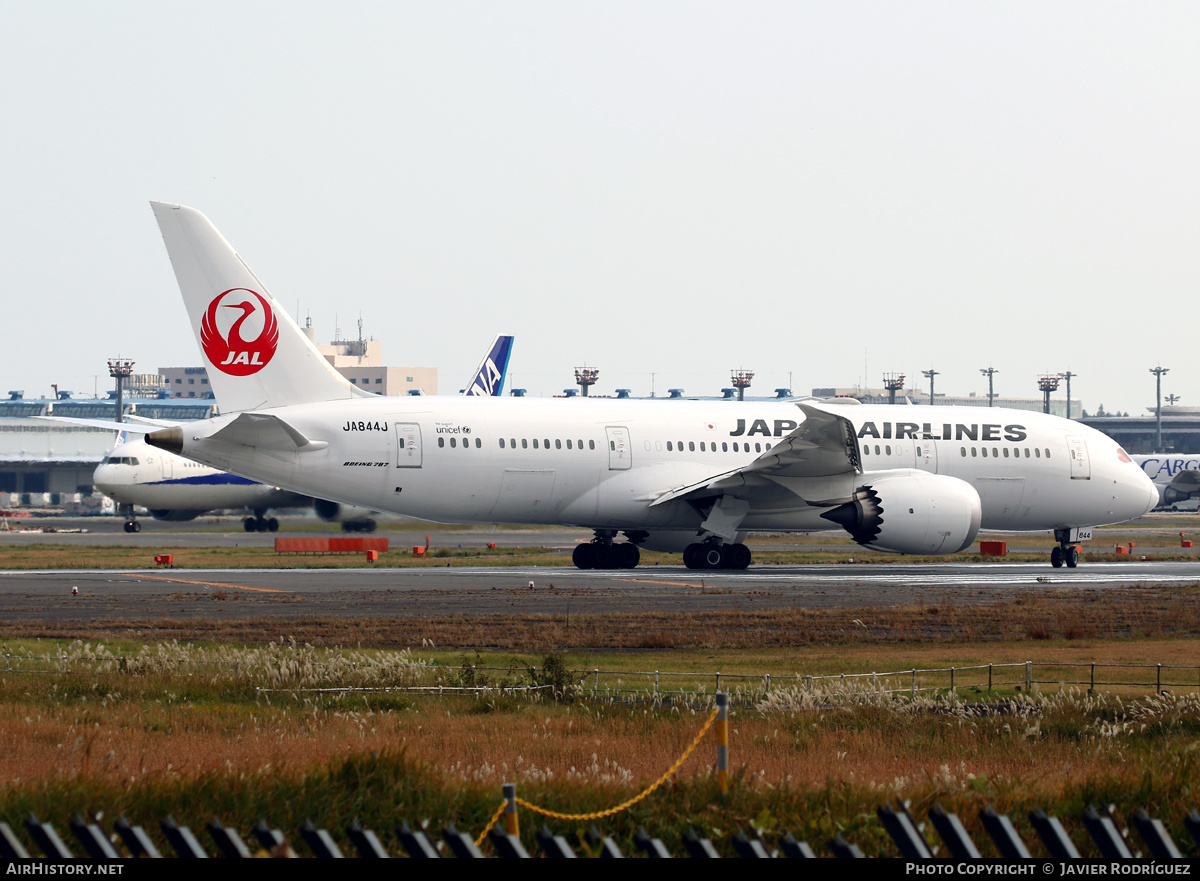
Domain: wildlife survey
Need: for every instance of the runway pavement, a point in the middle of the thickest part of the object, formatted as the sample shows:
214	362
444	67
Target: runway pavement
438	592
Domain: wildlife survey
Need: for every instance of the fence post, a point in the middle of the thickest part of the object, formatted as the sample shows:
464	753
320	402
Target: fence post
1158	680
510	809
913	691
768	686
808	683
596	682
723	743
656	683
718	680
1029	677
1092	685
989	679
953	692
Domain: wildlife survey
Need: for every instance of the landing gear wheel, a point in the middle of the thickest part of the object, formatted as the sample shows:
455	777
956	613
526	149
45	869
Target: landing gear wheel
1056	558
1072	557
626	555
369	526
260	524
249	525
602	556
738	556
691	555
714	557
272	525
582	556
137	527
132	526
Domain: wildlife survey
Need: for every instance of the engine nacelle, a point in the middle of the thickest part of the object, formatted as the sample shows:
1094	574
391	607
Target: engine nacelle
352	517
911	512
175	515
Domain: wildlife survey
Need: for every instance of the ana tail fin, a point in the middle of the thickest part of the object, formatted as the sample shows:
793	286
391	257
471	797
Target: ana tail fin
489	376
255	354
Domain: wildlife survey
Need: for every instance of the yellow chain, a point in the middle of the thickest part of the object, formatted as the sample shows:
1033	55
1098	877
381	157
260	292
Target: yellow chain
596	815
491	823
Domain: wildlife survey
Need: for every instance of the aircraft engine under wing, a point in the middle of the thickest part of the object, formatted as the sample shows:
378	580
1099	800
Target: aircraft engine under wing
825	445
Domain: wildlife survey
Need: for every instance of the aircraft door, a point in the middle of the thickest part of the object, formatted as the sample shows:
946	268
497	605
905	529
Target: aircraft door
1081	468
408	445
619	455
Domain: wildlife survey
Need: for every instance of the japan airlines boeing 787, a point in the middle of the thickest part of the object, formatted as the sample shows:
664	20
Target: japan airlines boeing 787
691	476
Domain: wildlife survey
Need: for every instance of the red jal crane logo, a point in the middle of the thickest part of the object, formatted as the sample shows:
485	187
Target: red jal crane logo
240	313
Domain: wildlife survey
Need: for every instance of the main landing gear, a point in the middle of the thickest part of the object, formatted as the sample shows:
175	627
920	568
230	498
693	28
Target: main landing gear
714	555
132	525
259	523
603	553
1065	552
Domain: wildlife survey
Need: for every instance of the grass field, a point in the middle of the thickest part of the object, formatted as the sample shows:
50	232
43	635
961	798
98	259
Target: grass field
189	730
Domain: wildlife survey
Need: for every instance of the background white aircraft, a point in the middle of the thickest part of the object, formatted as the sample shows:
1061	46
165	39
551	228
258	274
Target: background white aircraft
1177	477
695	476
178	489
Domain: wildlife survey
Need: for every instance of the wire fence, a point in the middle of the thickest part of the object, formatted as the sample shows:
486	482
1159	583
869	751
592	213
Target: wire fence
279	670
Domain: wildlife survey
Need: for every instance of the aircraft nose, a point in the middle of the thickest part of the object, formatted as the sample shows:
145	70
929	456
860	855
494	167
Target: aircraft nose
1143	495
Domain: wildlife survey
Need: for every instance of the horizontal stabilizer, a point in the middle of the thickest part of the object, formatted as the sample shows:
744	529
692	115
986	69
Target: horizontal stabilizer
265	432
104	423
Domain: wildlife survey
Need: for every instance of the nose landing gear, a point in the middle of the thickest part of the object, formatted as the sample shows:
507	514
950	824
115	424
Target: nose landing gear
1067	552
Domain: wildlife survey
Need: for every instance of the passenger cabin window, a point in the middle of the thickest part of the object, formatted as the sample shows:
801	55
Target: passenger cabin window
501	443
525	443
535	442
441	442
591	445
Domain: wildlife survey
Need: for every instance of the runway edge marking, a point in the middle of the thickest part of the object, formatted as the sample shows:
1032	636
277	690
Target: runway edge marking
206	583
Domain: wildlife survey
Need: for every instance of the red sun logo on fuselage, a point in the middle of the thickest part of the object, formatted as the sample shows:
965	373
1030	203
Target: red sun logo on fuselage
240	312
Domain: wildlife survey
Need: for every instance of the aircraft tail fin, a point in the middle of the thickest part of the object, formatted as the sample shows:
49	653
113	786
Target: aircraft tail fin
488	378
256	355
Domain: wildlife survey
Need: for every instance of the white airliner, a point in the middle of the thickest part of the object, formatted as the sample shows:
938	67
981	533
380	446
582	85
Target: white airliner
1176	476
178	489
691	476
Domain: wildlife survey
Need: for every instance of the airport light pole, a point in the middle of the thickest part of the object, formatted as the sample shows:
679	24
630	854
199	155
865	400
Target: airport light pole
930	373
120	369
1067	376
990	372
1158	375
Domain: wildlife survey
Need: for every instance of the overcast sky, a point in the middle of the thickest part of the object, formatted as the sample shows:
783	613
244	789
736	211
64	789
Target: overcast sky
820	192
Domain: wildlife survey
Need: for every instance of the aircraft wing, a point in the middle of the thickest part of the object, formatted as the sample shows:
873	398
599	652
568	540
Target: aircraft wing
824	445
